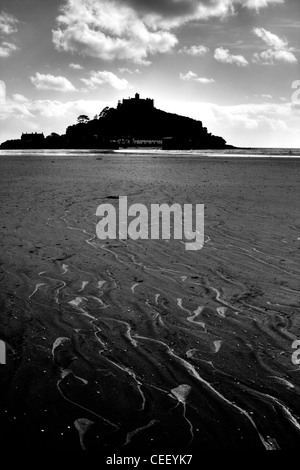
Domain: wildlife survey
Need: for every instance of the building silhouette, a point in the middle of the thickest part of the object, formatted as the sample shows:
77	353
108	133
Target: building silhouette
136	103
32	138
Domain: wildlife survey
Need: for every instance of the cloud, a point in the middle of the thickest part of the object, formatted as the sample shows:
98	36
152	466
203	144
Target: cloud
126	70
224	56
75	66
8	23
273	117
51	82
278	51
265	96
169	13
20	98
104	77
270	39
262	124
54	108
134	29
196	50
258	4
191	76
271	56
22	108
7	48
108	30
12	108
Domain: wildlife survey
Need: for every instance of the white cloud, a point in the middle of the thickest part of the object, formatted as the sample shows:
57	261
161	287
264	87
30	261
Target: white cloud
271	56
134	29
192	76
196	50
251	124
7	48
13	108
224	56
270	39
22	108
168	14
75	66
104	77
126	70
263	95
20	98
254	116
258	4
108	30
8	23
56	109
51	82
278	51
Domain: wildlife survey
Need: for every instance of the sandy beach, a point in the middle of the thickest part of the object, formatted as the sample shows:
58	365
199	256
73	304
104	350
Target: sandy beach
128	346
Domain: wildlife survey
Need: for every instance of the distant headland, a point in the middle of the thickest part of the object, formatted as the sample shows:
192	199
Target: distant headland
135	122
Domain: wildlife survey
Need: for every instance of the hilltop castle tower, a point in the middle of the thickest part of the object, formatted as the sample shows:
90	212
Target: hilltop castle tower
136	103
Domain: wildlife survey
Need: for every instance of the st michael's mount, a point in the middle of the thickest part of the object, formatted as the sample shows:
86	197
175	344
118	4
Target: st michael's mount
135	122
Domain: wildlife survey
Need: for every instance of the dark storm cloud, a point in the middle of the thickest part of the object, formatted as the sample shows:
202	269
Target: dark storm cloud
177	10
168	8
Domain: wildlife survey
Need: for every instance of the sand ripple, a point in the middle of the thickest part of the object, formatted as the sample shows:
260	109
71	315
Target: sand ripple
141	344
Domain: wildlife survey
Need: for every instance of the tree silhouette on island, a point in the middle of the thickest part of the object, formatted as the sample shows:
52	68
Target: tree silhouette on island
135	122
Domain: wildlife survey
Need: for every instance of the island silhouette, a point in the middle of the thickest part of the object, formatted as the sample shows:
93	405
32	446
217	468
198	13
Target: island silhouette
135	122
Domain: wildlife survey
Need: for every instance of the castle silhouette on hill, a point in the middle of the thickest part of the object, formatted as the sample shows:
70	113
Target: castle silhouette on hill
134	122
138	103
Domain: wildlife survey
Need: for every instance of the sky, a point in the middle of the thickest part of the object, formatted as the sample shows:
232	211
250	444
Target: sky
233	64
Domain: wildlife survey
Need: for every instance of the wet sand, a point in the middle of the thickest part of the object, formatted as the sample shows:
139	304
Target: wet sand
141	346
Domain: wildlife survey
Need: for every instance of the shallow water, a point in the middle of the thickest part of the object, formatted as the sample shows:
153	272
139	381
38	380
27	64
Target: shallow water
121	345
